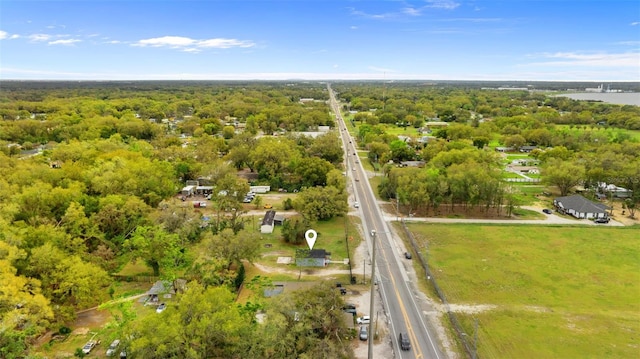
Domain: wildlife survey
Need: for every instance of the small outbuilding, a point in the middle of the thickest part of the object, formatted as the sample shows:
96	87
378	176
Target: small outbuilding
580	207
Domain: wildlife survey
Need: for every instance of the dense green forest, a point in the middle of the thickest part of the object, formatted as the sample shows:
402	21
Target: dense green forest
90	172
88	183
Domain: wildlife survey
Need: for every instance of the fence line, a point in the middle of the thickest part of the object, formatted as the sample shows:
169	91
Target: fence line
462	336
521	179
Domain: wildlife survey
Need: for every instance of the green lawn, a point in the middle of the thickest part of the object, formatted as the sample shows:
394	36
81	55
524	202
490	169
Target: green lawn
331	237
560	292
610	132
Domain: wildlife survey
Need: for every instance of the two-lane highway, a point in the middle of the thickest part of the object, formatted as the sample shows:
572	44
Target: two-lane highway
400	303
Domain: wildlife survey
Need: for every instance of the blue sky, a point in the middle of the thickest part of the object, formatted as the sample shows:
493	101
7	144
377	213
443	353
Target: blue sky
552	40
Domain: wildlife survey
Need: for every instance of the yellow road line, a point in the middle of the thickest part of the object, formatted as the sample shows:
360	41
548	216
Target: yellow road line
417	350
410	331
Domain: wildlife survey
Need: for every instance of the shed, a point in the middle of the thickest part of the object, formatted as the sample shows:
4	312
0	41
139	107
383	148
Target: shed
268	222
312	258
278	219
188	190
580	207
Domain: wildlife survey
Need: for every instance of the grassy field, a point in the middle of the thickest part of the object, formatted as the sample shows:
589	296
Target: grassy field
559	292
611	132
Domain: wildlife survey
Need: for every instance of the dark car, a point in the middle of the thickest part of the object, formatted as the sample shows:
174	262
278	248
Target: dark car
547	211
350	308
404	342
407	255
602	220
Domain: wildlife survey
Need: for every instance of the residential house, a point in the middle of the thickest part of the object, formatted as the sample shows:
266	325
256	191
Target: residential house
268	222
312	258
527	149
580	207
260	189
412	164
504	149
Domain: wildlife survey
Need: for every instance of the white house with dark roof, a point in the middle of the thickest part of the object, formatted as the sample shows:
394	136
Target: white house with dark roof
580	207
268	222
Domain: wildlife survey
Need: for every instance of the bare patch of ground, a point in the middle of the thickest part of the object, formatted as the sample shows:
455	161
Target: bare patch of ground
470	308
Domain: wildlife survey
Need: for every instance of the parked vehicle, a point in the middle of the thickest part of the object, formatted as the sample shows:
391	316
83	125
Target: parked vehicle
602	220
363	333
350	311
363	320
87	348
112	347
268	206
407	255
547	211
356	204
404	342
161	308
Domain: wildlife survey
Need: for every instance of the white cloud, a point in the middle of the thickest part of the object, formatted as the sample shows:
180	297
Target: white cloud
626	59
113	42
353	28
635	23
64	42
171	41
192	45
5	35
628	43
407	11
39	37
442	4
412	11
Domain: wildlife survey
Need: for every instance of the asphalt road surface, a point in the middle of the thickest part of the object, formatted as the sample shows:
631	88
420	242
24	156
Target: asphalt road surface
393	283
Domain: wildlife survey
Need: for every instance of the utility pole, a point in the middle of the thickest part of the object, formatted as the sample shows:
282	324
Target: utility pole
373	283
475	339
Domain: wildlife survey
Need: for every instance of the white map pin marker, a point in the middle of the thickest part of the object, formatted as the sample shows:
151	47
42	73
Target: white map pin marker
311	237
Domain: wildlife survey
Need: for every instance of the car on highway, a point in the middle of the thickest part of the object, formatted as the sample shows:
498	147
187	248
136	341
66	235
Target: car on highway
364	335
161	308
113	347
356	204
547	211
363	320
403	340
87	348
